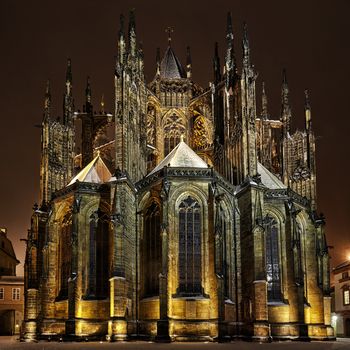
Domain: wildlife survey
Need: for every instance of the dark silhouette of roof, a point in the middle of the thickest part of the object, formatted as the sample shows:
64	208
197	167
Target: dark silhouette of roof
170	67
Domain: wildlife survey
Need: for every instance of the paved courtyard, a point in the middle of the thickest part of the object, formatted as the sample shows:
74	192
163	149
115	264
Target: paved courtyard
11	343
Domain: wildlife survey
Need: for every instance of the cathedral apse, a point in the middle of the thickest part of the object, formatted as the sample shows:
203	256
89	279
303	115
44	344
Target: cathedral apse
186	214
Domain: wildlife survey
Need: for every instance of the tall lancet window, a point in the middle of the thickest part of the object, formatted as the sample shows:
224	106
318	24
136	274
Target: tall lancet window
152	250
273	270
98	256
173	129
190	274
65	255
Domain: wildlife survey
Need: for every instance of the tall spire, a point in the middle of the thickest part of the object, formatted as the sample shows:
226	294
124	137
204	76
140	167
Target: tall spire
216	64
307	107
68	102
121	41
158	61
229	30
132	34
102	104
230	61
47	101
88	105
285	109
246	48
264	112
188	63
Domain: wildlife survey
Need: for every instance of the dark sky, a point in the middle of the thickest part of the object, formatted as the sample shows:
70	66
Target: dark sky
309	38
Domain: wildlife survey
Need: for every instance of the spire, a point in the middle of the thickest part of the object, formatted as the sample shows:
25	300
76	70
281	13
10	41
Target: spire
188	62
230	61
102	104
47	101
88	106
264	112
158	61
132	33
307	107
69	71
285	109
216	64
169	30
229	31
121	28
68	102
121	41
246	48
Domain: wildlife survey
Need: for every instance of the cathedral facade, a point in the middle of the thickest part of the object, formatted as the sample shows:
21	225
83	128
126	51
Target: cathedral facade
195	220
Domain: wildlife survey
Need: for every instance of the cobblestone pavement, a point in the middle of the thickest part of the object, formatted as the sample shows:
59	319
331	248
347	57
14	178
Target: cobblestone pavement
11	343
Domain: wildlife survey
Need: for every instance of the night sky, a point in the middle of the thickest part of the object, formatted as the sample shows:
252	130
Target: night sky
308	38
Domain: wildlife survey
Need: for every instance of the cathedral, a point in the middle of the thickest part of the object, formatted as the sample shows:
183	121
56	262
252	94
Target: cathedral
186	214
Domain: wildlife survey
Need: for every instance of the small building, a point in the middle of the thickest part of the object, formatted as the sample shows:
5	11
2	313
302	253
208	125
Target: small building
11	304
341	315
8	260
11	288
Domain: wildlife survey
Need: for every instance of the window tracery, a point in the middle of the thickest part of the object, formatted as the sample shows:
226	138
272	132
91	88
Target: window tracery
273	270
173	129
190	274
152	250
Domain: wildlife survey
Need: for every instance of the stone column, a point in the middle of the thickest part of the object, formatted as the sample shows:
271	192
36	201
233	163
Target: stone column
163	322
72	280
117	329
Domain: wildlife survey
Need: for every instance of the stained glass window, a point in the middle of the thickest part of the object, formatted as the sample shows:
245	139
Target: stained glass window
273	260
190	247
152	250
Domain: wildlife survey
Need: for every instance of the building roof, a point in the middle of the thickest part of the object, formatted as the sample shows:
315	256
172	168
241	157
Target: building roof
11	280
270	180
341	266
96	171
182	156
6	245
170	67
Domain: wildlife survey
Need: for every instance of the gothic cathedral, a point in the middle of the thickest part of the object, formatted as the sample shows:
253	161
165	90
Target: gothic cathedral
184	215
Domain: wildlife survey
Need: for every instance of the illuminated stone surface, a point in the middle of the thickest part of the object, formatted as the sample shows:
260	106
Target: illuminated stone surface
207	229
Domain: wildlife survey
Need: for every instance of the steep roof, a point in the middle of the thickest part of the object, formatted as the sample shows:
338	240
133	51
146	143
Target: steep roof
182	156
96	171
6	245
270	180
170	67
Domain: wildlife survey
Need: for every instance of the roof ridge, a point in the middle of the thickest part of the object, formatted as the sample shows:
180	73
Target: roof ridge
181	156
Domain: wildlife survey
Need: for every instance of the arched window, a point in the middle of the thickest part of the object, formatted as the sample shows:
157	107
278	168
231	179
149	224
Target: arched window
190	274
173	129
273	270
98	255
152	250
65	255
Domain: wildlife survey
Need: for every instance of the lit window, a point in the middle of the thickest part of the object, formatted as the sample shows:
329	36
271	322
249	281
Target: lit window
347	297
2	294
272	260
190	247
15	293
152	250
